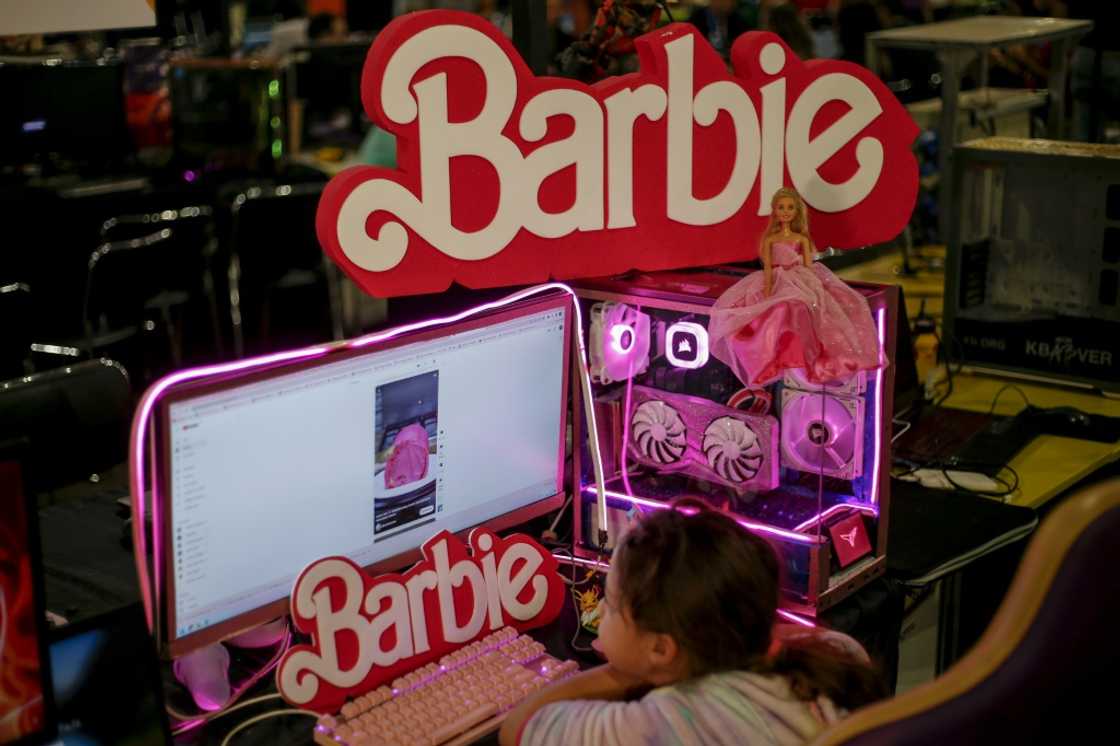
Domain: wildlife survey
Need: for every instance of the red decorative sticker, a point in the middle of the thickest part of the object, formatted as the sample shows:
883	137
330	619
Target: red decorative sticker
849	537
507	178
366	631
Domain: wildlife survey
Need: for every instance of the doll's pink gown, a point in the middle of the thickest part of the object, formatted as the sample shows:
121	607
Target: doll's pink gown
811	320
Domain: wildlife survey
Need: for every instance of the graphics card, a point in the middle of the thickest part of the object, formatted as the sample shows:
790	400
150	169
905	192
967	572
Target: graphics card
678	433
822	434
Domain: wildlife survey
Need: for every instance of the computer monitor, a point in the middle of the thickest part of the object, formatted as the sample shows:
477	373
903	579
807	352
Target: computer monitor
72	111
226	115
26	712
106	681
329	81
365	453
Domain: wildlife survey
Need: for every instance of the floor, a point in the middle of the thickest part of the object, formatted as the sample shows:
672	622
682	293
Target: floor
917	646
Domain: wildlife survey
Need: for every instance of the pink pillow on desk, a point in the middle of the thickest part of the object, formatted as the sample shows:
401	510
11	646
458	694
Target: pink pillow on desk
408	461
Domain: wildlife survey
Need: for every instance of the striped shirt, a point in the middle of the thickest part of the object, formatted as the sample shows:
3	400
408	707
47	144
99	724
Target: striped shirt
740	708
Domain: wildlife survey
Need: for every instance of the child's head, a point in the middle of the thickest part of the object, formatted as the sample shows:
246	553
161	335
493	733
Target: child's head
786	206
688	595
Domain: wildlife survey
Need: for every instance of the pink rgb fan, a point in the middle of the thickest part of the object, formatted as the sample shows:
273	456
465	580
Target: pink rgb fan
408	460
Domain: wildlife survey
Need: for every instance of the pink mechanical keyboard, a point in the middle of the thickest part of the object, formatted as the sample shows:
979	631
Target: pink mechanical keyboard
463	697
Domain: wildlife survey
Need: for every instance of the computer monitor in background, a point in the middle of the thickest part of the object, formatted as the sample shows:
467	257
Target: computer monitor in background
366	453
26	711
63	114
106	681
328	81
226	115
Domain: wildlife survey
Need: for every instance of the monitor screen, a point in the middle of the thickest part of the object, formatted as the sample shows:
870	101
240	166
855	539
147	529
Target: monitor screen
24	674
226	114
107	684
366	454
71	109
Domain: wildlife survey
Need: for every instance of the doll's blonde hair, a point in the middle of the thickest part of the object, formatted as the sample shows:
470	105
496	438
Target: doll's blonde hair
800	222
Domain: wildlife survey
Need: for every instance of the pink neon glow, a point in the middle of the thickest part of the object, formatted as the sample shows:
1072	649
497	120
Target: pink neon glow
136	452
881	323
832	511
618	331
187	725
139	434
789	616
761	527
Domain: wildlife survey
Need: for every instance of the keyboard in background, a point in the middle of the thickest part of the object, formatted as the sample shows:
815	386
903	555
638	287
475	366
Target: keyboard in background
464	696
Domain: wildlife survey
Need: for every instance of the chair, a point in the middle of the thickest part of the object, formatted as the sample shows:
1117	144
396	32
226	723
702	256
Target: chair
1045	668
194	229
275	254
15	334
74	421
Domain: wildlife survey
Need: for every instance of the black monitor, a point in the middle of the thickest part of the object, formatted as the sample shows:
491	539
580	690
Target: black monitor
106	681
63	113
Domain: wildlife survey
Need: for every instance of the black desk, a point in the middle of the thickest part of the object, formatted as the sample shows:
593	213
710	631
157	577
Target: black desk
969	544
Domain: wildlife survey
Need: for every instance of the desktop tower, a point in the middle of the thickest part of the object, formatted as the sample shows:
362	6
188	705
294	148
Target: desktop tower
1034	260
801	464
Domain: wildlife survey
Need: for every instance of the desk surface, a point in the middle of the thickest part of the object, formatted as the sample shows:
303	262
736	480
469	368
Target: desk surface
981	31
1049	465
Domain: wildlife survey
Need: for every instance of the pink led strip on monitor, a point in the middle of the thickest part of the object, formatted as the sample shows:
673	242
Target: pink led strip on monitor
150	587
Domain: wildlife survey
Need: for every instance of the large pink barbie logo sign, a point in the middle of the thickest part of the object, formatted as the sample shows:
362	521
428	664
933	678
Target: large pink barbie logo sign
657	169
367	631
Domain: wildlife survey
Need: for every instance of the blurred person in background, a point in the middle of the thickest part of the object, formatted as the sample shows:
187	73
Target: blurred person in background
720	23
785	20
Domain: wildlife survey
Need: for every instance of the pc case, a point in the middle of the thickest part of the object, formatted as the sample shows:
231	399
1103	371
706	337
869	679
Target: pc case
804	465
1034	260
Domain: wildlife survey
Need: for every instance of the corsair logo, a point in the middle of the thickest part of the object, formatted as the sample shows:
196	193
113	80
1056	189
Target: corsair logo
850	537
1062	351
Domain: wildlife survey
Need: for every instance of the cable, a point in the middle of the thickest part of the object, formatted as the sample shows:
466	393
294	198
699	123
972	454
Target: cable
194	721
275	713
559	514
905	427
1010	487
999	393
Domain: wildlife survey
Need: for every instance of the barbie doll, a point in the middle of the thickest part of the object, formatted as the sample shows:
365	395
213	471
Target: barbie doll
793	314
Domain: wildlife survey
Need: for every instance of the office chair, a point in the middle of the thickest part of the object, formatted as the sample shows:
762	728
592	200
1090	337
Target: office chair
1046	666
129	285
74	421
15	332
194	229
275	255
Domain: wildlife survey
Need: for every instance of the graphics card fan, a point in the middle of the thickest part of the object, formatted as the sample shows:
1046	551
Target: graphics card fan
732	449
658	432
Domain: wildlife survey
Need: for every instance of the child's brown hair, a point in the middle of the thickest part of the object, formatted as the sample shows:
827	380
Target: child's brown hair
698	576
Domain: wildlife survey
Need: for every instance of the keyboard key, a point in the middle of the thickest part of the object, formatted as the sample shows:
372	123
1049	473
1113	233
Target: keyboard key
471	688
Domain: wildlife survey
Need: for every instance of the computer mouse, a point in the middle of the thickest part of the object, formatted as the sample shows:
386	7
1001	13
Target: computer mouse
1070	415
205	672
